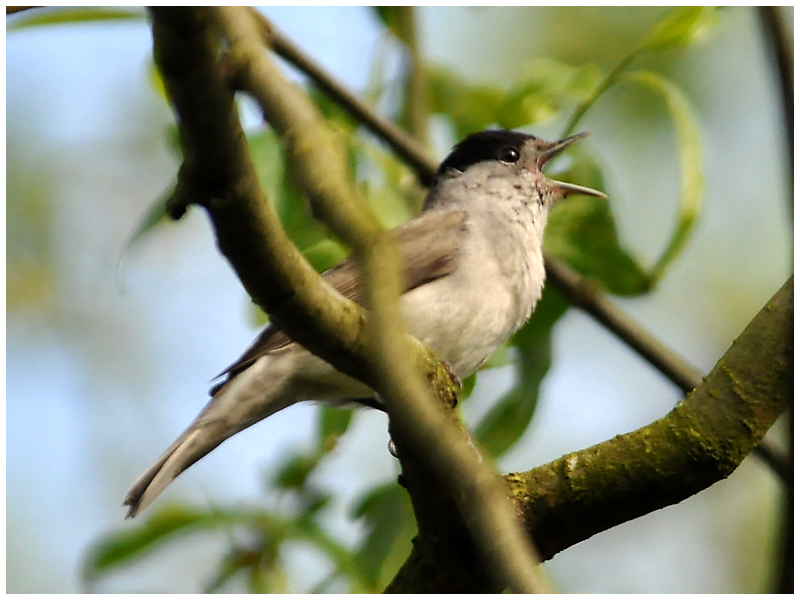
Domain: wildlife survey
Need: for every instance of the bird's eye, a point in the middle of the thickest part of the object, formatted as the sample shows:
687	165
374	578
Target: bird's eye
509	154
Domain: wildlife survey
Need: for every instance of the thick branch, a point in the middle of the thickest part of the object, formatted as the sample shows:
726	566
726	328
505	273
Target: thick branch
415	421
217	173
701	441
577	289
405	146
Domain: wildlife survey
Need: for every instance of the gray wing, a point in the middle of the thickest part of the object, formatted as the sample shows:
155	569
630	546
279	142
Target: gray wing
428	246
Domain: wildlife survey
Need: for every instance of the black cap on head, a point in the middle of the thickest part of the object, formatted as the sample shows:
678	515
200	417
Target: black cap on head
481	146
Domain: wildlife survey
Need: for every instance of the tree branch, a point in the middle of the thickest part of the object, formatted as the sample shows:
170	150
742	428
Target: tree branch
218	174
780	47
10	10
415	423
578	290
405	146
415	109
701	441
782	51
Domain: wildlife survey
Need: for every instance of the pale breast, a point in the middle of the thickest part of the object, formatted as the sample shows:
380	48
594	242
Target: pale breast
465	316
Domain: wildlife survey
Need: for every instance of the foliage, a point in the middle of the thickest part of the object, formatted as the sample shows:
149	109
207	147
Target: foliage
582	232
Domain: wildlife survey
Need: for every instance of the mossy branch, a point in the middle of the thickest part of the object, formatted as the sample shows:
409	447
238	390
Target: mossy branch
701	441
200	72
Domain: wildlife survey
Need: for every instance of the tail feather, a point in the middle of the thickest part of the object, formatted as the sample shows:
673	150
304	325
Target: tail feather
249	395
236	405
153	481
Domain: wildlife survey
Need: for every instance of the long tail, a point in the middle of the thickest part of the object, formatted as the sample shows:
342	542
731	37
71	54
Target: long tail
236	405
191	446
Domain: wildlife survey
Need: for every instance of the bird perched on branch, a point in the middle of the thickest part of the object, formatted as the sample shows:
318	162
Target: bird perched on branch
473	272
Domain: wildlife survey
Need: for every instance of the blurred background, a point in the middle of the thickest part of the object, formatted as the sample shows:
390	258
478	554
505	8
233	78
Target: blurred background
109	353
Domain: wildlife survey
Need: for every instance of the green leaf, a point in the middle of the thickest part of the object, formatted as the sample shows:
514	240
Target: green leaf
389	520
324	254
157	82
391	190
581	231
288	201
680	27
390	17
119	548
499	358
333	423
690	160
258	564
544	89
295	470
332	110
539	94
155	214
467	385
471	107
505	423
71	15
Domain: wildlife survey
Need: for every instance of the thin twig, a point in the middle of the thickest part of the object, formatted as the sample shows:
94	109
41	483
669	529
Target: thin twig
415	110
781	48
587	296
606	83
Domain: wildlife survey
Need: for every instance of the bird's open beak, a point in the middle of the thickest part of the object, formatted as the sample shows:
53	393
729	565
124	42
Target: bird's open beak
567	188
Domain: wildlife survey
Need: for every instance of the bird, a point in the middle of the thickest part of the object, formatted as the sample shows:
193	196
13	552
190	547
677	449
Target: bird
472	268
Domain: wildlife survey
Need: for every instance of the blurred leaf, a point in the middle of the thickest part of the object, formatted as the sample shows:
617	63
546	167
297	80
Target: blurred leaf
689	155
268	580
508	419
581	231
323	586
467	385
288	201
30	222
72	15
390	523
333	112
680	27
118	548
265	149
324	254
342	557
390	17
157	82
471	107
392	191
543	90
155	214
295	470
258	564
333	423
499	358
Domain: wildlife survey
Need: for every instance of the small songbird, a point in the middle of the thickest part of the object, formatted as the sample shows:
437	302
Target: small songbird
473	272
